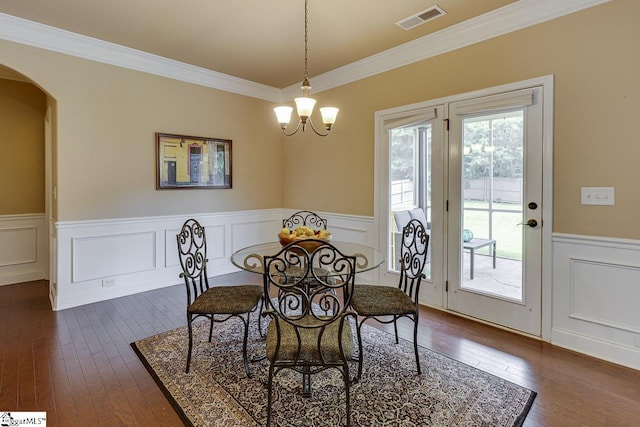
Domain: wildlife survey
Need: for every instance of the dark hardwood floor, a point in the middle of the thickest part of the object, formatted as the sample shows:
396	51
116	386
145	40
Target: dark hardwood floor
78	366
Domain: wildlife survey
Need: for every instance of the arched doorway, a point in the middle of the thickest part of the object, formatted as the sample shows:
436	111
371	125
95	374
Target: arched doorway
26	117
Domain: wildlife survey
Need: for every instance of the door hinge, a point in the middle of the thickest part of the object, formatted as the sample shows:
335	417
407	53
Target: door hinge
446	124
446	286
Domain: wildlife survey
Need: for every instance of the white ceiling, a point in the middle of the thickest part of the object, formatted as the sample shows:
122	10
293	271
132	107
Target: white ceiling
256	40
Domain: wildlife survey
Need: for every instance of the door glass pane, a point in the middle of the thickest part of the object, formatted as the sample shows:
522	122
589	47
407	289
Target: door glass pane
493	165
410	184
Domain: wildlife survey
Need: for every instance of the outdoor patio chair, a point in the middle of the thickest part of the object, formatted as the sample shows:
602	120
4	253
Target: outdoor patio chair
400	219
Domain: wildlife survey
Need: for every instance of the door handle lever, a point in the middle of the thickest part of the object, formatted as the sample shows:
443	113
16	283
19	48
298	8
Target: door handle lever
531	223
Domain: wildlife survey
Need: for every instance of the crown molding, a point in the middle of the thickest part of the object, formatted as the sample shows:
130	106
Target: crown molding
516	16
54	39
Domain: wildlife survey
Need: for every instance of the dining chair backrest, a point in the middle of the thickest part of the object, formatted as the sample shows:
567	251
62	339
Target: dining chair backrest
218	303
305	218
413	257
192	251
310	288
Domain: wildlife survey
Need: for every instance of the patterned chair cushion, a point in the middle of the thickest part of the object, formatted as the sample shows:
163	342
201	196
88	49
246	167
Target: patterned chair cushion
378	300
227	300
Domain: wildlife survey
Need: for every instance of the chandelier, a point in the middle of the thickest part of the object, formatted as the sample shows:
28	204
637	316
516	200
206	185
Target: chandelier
305	104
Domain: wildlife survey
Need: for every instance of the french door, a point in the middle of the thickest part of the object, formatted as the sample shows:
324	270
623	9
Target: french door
413	152
473	168
495	216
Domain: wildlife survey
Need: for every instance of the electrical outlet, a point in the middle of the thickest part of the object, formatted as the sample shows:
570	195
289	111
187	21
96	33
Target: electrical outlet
598	196
107	282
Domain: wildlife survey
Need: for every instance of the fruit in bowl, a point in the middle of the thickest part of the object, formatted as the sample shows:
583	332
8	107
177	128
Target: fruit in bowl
302	234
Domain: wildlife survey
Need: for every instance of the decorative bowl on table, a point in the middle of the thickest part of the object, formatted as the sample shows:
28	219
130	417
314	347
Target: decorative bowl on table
303	236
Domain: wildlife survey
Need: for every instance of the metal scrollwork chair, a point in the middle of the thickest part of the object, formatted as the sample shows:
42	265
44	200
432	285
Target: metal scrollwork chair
381	302
309	330
305	218
217	303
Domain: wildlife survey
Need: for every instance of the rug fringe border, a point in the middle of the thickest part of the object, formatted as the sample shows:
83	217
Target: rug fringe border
525	411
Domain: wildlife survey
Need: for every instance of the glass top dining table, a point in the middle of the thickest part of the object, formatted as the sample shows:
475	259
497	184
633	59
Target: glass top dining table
251	257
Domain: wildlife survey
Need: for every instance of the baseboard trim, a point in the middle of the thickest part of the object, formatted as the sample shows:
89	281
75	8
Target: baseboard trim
597	348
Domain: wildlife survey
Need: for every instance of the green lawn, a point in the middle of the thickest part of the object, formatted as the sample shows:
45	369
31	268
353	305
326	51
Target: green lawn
505	230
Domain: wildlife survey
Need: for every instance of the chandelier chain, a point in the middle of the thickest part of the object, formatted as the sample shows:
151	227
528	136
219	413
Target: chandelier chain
306	49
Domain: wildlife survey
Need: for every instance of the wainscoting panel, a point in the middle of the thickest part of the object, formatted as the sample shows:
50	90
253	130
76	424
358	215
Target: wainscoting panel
249	233
104	256
23	250
18	246
99	260
596	289
607	305
169	248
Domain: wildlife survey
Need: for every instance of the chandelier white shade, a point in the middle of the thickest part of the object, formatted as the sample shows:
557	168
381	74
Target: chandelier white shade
283	114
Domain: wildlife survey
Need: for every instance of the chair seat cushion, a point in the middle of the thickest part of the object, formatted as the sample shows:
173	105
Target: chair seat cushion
378	300
227	300
309	341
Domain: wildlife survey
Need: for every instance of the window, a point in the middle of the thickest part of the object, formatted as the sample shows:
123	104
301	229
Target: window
410	181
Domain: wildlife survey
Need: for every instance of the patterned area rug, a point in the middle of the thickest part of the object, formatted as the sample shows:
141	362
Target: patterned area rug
217	392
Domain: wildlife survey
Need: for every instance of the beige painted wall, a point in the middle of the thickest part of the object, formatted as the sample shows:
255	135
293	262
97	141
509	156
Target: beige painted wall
22	111
105	149
106	117
596	62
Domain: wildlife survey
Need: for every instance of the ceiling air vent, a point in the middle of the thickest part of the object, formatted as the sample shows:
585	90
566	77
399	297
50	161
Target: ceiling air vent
421	17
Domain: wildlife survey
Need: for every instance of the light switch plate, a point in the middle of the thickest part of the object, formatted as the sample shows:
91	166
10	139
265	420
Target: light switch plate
598	196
